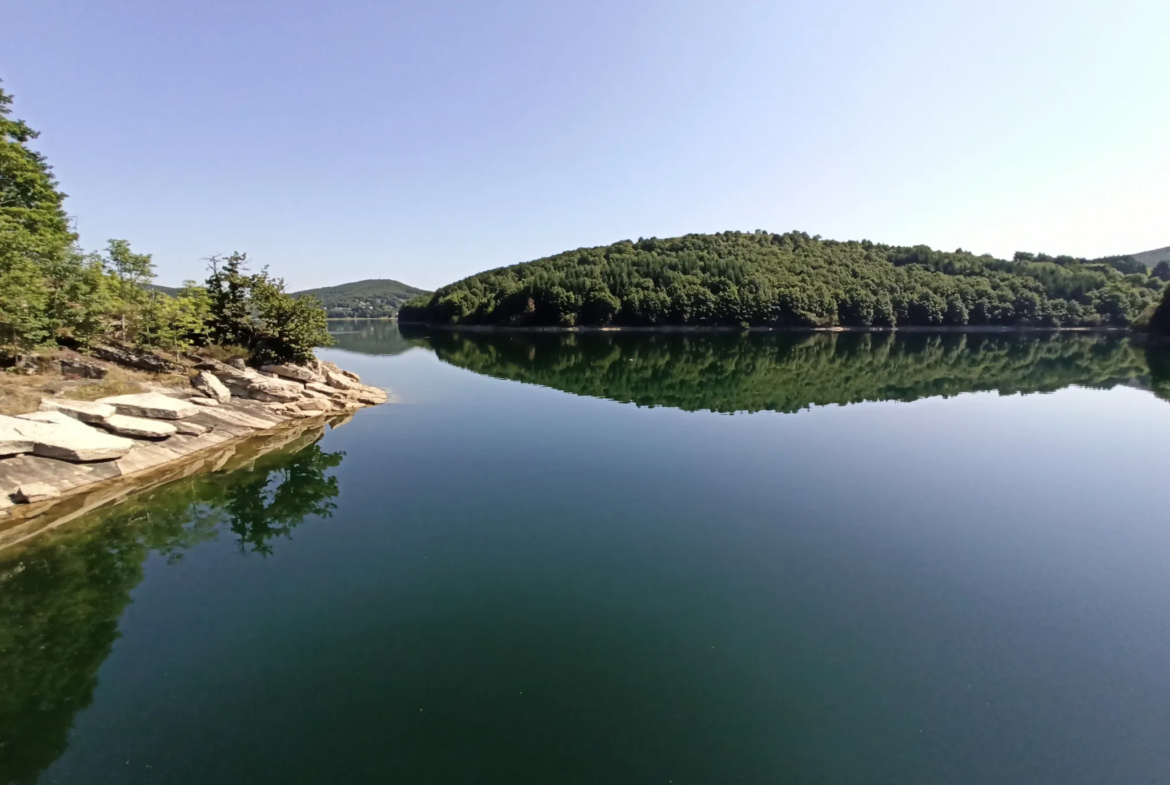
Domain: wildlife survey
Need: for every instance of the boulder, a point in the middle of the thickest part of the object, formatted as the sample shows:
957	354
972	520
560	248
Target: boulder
209	385
335	368
238	363
33	492
135	358
66	442
340	381
206	401
290	371
86	370
85	411
265	389
139	427
152	405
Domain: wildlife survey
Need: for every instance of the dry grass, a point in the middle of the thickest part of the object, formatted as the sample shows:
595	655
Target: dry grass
20	394
224	353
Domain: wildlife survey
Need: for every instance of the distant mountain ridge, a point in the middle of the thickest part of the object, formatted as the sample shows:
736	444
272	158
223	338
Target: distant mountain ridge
375	298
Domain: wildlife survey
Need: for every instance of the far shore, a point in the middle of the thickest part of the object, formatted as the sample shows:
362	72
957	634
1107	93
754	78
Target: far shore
690	328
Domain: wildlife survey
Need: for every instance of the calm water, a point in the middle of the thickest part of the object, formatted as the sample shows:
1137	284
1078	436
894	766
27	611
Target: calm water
924	559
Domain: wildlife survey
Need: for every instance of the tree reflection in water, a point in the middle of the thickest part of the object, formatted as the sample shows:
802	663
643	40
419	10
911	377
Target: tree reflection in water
61	596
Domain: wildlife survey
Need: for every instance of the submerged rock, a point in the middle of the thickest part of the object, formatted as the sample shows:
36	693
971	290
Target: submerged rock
153	405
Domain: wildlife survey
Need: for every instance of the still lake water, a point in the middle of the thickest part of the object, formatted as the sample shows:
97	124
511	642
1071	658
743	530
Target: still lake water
559	559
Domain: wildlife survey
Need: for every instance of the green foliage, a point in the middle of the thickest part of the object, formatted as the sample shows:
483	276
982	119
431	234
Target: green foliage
372	299
175	323
254	311
227	291
34	233
287	328
789	280
1159	320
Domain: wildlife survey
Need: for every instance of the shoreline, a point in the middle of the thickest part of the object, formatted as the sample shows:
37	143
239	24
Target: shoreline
68	447
694	328
21	523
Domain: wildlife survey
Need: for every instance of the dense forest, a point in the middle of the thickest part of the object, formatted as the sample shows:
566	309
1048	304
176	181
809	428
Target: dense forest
62	596
794	280
373	299
786	372
52	292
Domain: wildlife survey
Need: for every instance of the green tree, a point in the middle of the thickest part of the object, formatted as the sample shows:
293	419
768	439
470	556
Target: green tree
34	233
228	294
130	272
288	328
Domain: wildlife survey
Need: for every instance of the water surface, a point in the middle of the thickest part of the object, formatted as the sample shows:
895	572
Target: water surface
631	558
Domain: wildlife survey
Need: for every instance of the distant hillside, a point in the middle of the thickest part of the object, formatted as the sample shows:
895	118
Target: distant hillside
170	291
1150	258
377	298
793	280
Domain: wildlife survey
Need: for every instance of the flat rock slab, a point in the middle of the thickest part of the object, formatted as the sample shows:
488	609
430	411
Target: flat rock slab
139	427
155	406
72	442
12	442
85	411
33	492
207	401
53	418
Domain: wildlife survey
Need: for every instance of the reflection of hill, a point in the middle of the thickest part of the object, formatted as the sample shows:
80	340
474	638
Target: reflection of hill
787	372
368	337
61	595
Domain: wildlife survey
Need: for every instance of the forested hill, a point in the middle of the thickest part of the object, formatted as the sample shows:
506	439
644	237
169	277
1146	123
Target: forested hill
378	298
794	280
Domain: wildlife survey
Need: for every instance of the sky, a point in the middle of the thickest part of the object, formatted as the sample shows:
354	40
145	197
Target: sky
427	141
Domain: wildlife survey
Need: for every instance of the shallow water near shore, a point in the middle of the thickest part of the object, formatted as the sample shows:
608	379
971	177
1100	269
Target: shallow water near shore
643	558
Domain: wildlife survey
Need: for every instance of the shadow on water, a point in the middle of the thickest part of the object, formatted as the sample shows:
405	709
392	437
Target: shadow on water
62	594
787	372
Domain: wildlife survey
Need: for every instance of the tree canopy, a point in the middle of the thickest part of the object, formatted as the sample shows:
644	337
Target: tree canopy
791	280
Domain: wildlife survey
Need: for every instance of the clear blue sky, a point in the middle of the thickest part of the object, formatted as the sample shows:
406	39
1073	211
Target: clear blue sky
426	141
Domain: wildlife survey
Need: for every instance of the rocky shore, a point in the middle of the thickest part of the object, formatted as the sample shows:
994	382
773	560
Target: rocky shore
68	445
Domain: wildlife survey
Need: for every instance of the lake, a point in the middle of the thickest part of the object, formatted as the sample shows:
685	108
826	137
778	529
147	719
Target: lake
631	558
